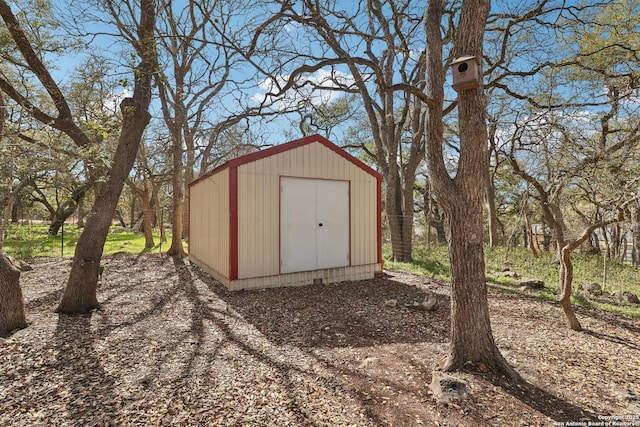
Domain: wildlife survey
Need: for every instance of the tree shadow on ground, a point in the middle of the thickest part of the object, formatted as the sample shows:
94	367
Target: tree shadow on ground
613	339
615	320
544	402
222	318
355	314
87	386
49	299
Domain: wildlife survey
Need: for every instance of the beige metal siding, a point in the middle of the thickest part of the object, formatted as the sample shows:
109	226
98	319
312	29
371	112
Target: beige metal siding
258	206
209	223
332	275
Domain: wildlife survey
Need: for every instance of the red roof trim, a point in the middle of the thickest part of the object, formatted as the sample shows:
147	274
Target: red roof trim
252	157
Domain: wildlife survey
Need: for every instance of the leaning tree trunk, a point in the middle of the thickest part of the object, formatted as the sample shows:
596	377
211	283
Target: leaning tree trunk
566	270
80	293
566	283
66	209
11	306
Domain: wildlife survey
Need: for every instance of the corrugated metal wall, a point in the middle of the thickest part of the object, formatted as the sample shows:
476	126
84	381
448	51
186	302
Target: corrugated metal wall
209	222
258	205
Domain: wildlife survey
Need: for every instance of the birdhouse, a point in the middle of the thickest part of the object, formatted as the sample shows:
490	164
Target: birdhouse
466	73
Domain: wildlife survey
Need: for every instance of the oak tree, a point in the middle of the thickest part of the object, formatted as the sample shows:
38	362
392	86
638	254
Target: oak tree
461	196
80	292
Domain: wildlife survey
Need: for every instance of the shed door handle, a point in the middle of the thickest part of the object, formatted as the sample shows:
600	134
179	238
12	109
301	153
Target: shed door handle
320	224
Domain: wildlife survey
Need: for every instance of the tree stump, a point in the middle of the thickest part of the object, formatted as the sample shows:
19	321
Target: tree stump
11	305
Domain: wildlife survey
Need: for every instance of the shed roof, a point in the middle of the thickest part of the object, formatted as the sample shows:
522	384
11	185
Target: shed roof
252	157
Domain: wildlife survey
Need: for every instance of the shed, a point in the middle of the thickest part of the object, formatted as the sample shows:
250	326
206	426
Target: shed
298	213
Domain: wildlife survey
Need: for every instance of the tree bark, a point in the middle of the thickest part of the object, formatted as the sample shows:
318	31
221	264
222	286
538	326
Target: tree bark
462	197
11	195
6	217
147	210
471	336
566	280
400	252
176	249
66	209
635	236
11	306
526	214
490	195
80	293
492	213
566	271
175	125
432	214
147	213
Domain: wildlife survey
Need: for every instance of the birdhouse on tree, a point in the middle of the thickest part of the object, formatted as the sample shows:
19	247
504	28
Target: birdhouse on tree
466	73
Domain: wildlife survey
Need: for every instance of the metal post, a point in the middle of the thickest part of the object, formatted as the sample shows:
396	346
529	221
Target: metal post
161	225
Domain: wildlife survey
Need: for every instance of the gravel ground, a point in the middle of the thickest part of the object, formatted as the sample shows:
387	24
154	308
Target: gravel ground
172	347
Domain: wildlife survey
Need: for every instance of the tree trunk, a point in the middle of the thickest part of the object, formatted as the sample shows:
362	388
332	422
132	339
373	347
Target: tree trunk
15	213
11	306
490	194
566	270
635	236
158	211
566	282
6	217
400	248
531	244
132	214
492	213
80	293
188	177
11	195
147	212
81	213
432	214
462	197
471	336
66	209
176	249
441	234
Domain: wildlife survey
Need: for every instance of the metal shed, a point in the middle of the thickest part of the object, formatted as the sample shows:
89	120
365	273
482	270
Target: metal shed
298	213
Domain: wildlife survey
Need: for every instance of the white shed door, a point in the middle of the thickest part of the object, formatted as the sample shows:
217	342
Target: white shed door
314	224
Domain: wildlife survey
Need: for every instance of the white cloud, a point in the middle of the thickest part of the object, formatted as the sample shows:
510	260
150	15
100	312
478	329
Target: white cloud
311	89
112	102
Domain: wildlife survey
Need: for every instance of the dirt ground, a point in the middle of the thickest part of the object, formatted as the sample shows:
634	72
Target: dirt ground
172	347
